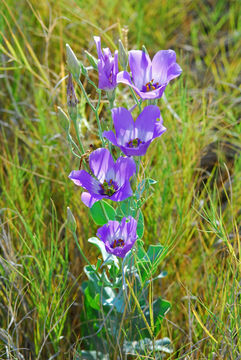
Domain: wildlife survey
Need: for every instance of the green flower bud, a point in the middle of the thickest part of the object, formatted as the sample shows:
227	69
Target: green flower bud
123	55
72	62
144	49
92	60
71	223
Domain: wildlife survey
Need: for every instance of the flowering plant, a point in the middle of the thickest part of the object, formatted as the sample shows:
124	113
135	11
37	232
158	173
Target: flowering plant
118	285
107	66
134	137
110	179
150	78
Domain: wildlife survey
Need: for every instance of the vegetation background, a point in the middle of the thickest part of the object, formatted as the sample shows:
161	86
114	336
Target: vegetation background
196	207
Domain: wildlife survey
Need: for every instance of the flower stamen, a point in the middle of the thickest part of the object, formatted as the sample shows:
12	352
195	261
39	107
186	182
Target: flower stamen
134	143
118	243
151	86
108	187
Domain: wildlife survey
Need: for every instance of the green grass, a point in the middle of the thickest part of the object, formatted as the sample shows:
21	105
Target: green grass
41	269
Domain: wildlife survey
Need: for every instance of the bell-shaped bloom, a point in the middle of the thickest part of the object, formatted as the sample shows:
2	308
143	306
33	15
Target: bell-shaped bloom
110	180
107	66
119	238
134	137
150	78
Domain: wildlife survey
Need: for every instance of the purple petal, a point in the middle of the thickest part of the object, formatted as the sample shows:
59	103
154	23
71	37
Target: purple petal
154	94
145	123
159	129
124	78
89	199
114	230
104	82
110	136
128	230
124	169
138	151
123	193
173	71
140	65
101	162
124	125
84	179
161	63
98	46
107	53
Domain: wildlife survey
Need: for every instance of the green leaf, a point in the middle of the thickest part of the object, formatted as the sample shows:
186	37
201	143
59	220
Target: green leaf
94	301
140	225
144	185
154	252
125	209
147	262
98	214
160	307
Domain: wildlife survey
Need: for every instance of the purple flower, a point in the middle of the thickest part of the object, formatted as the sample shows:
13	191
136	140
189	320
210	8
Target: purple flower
134	137
150	78
107	66
110	180
118	238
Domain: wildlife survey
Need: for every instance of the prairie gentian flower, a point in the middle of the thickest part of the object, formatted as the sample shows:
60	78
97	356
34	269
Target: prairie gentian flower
118	238
107	66
110	180
134	137
150	78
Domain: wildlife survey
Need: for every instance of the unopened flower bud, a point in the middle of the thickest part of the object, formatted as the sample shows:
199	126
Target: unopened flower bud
92	60
144	49
72	62
62	115
123	56
84	70
71	223
72	100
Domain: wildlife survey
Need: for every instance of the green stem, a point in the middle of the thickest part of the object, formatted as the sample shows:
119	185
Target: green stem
104	211
111	98
73	117
95	110
85	93
83	255
135	97
98	119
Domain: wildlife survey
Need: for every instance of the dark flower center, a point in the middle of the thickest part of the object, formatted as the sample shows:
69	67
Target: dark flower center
134	143
108	187
151	86
118	243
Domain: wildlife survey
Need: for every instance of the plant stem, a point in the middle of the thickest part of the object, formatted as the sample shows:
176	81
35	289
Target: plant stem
135	97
